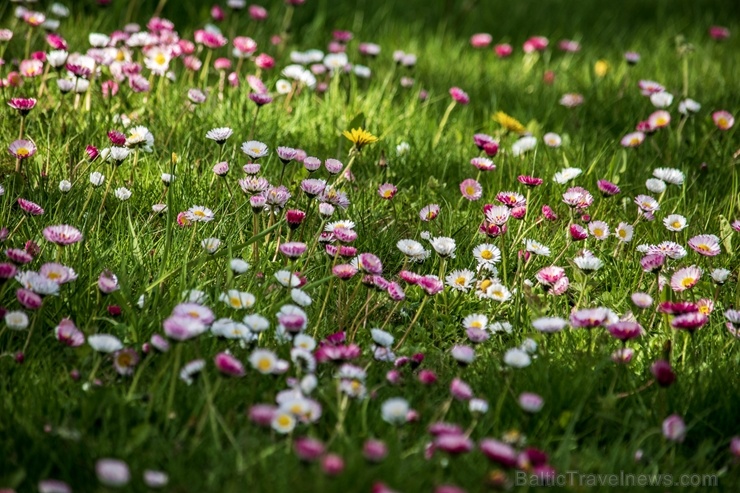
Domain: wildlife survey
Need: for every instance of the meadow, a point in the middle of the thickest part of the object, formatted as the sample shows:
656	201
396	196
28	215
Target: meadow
369	246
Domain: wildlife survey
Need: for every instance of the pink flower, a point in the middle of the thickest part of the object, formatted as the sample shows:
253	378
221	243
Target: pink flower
719	32
471	189
22	149
309	449
264	61
229	365
499	452
480	40
503	50
332	465
62	234
723	119
459	95
460	390
453	443
30	207
674	429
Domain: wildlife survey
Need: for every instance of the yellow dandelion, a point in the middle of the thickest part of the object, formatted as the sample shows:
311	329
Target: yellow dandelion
509	122
360	137
601	68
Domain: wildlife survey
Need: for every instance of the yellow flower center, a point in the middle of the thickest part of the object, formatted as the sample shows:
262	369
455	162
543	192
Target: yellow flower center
676	224
460	281
622	233
497	294
160	59
476	325
284	420
235	302
264	364
199	213
387	193
470	190
598	232
722	122
704	309
634	141
193	314
687	282
486	254
22	152
485	284
54	276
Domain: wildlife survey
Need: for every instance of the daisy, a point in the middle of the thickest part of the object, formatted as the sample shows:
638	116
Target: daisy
22	149
254	149
471	189
412	249
720	275
523	145
633	139
105	343
287	279
685	278
122	193
483	164
669	175
530	181
571	100
239	266
191	369
198	213
497	214
659	119
256	322
552	139
219	135
29	207
283	422
565	175
62	234
125	360
487	254
444	246
669	249
517	358
395	410
661	99
97	179
429	212
588	263
461	280
238	300
16	320
624	232
140	137
536	247
674	222
599	230
498	292
655	185
707	245
511	199
648	87
647	203
578	197
22	105
387	190
687	106
549	325
723	120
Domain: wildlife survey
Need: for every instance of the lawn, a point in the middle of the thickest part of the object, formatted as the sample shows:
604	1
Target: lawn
369	246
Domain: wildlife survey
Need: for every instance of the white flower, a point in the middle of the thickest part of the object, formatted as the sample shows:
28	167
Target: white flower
98	40
720	275
191	369
104	343
283	422
624	232
487	253
167	178
254	149
304	341
461	279
123	193
381	337
588	263
523	145
210	245
498	292
655	185
538	248
16	320
444	246
567	174
402	149
335	61
117	154
59	10
687	106
300	297
97	179
256	322
477	405
238	300
283	86
394	410
263	360
674	222
65	186
219	135
529	345
661	99
140	136
239	266
475	321
517	358
287	278
502	326
552	139
669	175
362	71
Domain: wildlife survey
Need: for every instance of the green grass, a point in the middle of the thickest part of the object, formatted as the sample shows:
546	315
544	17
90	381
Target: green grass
596	416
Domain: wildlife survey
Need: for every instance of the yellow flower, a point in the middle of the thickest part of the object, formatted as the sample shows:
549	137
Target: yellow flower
601	68
360	137
508	122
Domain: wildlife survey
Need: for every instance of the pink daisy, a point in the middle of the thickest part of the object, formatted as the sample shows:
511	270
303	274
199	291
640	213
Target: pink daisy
62	234
471	189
